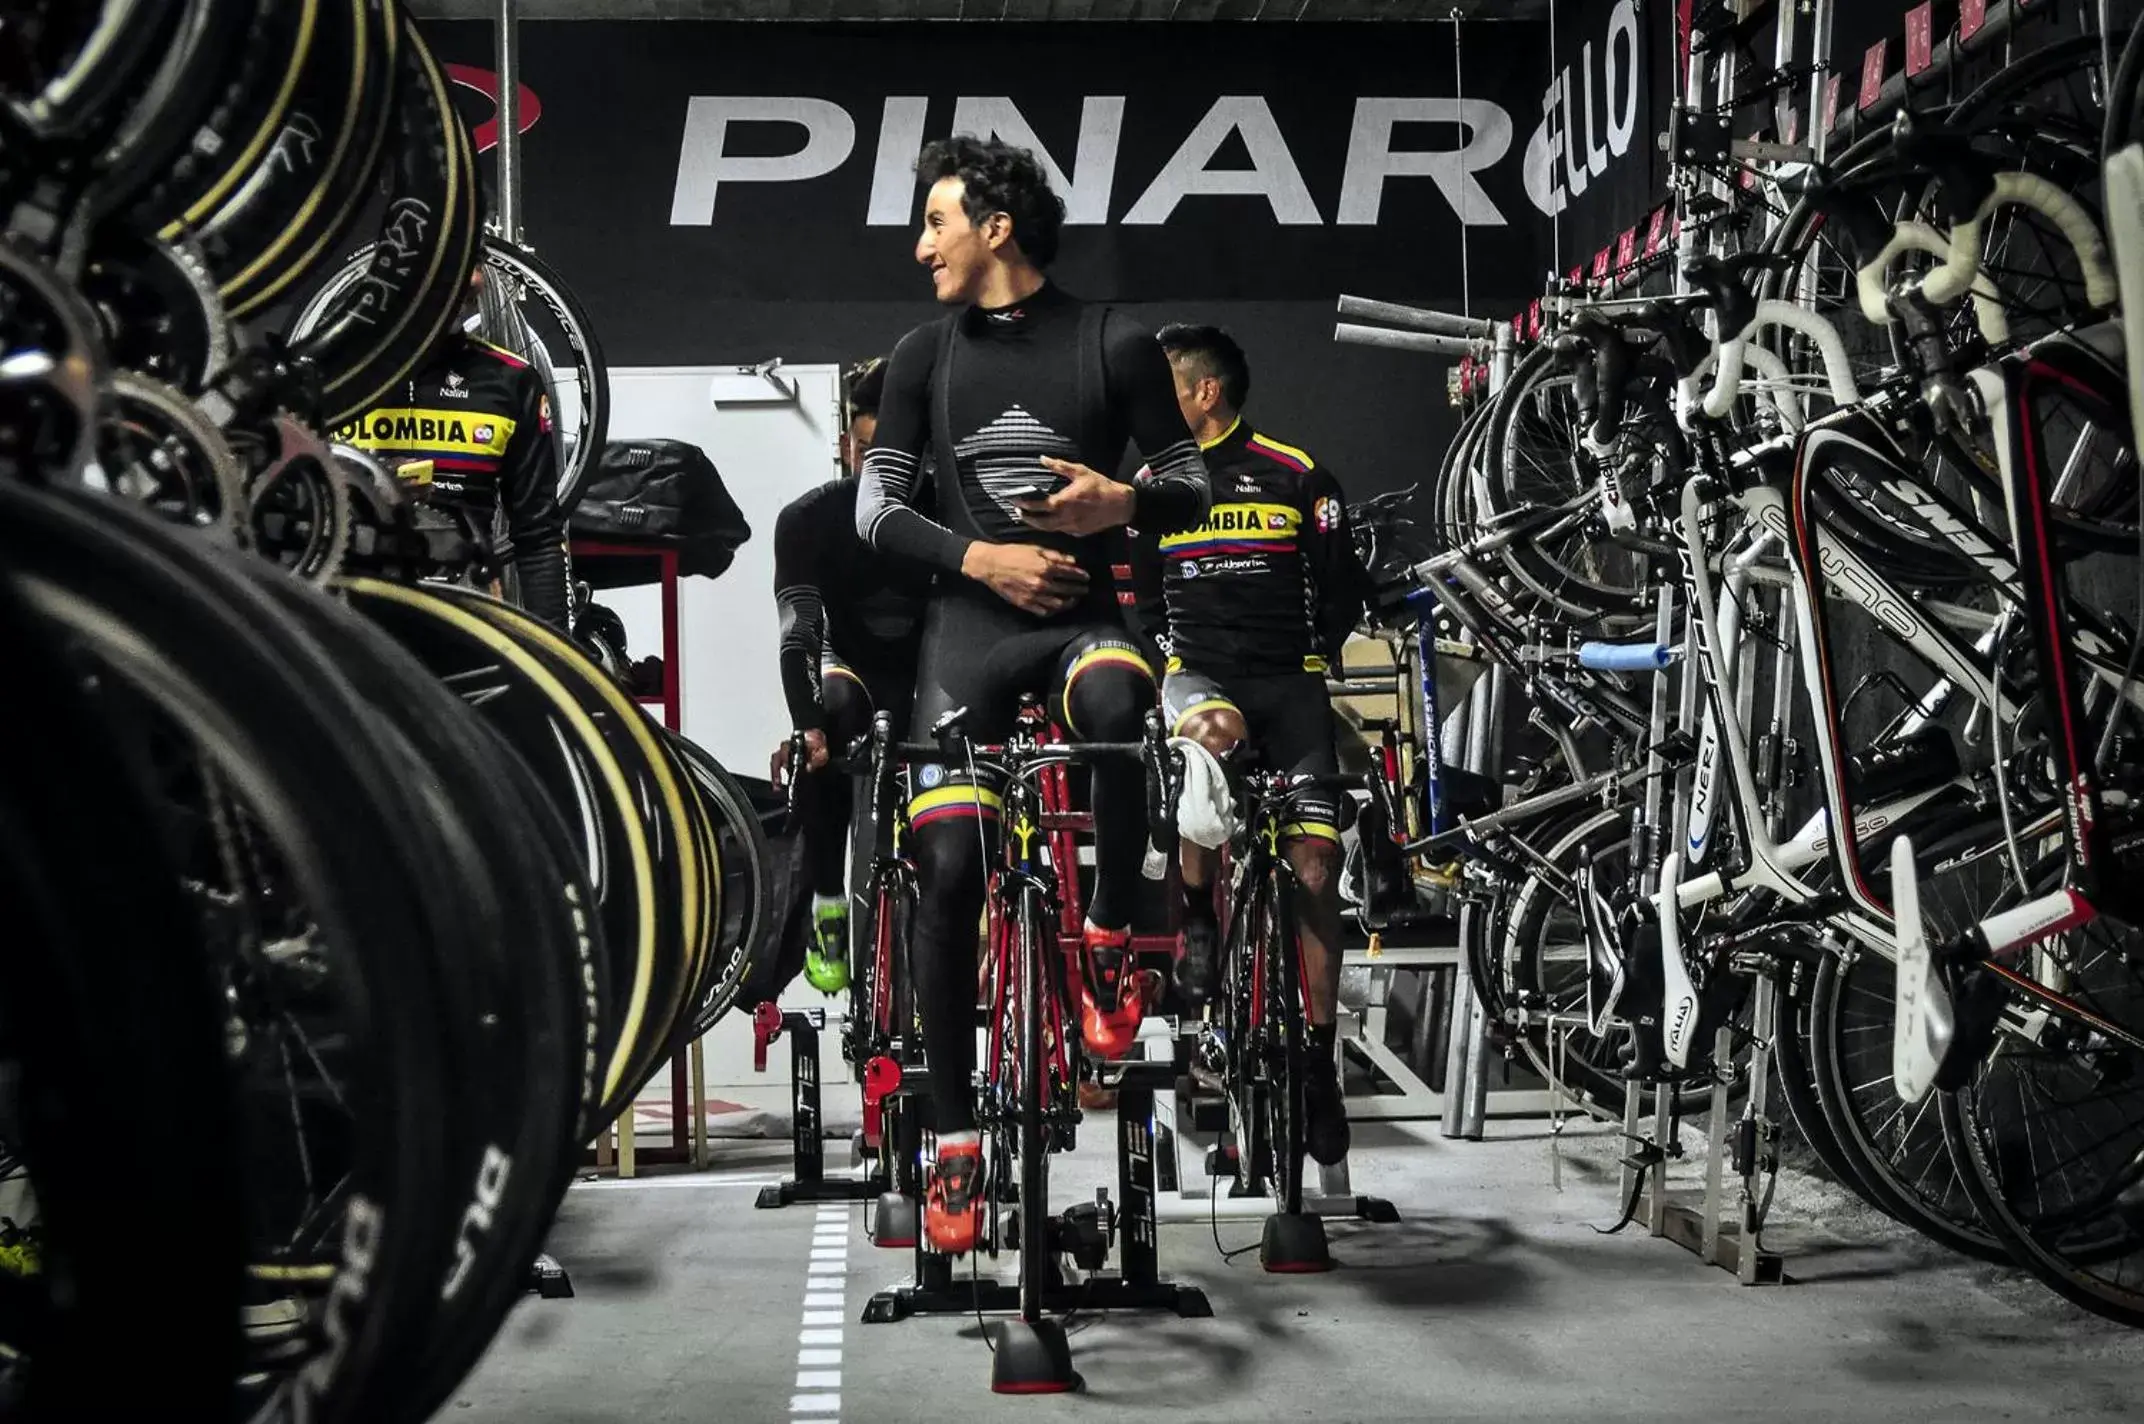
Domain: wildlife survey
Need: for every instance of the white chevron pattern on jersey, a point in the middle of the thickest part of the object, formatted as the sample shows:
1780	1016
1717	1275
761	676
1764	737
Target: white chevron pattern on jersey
1004	455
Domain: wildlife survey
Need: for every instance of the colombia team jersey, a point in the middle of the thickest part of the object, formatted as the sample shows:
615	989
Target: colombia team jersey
1269	582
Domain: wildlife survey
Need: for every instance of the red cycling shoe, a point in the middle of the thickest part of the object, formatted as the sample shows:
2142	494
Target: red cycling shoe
953	1204
1113	995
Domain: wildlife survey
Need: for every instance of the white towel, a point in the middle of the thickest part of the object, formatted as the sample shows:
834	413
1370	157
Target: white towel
1205	813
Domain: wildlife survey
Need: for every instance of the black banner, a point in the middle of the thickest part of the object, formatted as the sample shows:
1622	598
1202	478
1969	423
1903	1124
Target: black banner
1593	162
677	164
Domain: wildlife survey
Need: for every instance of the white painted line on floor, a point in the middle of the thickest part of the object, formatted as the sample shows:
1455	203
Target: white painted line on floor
824	1290
674	1184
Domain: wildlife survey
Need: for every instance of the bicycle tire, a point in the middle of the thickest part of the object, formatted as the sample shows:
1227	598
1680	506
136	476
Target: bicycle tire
1579	597
590	394
161	613
748	894
1929	1197
1037	938
347	185
2124	121
93	80
419	269
593	372
548	724
207	52
528	956
247	121
1795	1072
341	94
2070	1249
1286	1013
99	943
1244	1084
684	847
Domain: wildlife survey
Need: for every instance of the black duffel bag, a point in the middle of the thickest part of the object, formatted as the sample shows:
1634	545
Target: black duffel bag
662	494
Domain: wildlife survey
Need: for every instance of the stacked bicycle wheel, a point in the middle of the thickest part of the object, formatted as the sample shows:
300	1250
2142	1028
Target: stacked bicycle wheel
352	907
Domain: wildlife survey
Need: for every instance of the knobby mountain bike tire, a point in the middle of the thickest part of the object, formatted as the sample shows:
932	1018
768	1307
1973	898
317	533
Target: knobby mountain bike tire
102	970
169	623
548	724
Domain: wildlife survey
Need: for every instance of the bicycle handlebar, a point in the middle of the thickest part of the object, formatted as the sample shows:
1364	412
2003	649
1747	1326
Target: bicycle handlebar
1871	281
1045	752
1955	277
1734	353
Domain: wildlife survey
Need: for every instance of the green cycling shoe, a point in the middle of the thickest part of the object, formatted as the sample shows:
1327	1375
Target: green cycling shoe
826	961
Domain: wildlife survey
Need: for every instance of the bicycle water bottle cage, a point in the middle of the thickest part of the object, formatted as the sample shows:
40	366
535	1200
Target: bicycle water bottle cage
1965	178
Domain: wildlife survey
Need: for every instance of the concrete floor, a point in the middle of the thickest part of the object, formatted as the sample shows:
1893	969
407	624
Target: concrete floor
1495	1297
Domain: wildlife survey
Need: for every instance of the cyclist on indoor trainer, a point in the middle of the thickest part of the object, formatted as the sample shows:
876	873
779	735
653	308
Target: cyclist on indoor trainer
852	620
1250	609
1026	396
472	433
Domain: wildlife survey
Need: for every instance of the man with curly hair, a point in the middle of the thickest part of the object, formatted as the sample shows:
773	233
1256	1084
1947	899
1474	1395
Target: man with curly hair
1027	397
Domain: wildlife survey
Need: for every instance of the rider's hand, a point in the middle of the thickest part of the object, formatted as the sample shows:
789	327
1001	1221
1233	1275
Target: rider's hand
1090	503
1028	577
814	756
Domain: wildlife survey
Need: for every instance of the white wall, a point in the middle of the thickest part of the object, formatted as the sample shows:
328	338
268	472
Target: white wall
769	450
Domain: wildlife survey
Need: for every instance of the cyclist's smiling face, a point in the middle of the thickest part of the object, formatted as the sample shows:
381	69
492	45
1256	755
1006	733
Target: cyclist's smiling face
958	253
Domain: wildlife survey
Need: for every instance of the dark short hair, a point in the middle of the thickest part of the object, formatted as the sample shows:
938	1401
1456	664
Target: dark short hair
1211	352
867	382
999	178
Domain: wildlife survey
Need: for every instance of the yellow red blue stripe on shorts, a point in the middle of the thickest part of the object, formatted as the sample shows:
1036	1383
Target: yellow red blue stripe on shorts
957	801
1101	655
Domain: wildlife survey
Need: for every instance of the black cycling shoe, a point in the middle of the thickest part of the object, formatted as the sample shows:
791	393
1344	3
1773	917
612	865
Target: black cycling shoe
1325	1130
1197	974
